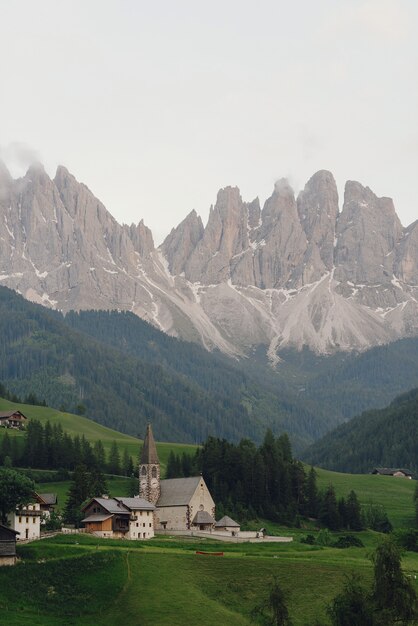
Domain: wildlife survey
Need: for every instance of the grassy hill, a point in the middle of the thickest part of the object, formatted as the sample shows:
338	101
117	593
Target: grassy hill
79	425
80	580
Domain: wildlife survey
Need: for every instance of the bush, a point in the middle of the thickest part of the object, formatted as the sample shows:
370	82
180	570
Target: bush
348	541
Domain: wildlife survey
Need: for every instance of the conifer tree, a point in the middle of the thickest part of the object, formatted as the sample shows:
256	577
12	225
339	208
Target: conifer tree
353	512
79	492
114	459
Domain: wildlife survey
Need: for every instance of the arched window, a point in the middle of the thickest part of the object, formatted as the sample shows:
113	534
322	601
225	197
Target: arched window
154	472
143	471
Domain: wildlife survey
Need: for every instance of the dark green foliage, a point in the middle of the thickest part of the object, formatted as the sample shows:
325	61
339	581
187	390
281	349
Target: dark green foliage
273	609
113	463
416	503
375	517
352	607
393	595
352	518
384	438
406	539
15	489
348	541
85	484
328	512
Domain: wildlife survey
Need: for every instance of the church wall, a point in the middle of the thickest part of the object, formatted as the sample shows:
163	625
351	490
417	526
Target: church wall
175	516
202	501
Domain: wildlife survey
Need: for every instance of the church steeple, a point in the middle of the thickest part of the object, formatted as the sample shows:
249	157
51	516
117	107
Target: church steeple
149	469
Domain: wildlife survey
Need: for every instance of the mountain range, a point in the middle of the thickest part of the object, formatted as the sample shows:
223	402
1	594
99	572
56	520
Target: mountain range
296	272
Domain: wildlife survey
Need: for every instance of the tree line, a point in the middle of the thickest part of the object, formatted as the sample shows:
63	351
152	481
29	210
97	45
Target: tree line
249	481
50	447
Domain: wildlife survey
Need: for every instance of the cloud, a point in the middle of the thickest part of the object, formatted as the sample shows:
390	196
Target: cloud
18	157
387	20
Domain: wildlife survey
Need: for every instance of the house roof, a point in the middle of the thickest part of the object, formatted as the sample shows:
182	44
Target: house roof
135	504
49	498
110	505
203	517
226	521
5	414
389	471
96	518
177	491
5	530
149	450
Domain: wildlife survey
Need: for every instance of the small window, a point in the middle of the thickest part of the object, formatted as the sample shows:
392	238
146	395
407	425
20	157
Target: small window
34	520
144	470
147	513
150	524
20	520
154	472
143	524
27	520
137	524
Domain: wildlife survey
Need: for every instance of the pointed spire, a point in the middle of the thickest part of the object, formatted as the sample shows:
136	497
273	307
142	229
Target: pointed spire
149	451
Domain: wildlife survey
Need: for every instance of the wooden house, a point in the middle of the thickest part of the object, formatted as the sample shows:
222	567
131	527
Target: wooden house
12	419
48	503
7	545
391	471
127	518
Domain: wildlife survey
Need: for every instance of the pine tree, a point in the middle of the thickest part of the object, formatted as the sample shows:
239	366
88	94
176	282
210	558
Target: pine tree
353	512
311	491
328	514
79	492
114	459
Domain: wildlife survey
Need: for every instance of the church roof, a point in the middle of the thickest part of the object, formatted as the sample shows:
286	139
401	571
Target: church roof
226	521
177	491
203	517
149	451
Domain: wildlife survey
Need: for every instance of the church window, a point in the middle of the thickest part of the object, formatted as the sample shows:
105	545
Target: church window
144	470
154	472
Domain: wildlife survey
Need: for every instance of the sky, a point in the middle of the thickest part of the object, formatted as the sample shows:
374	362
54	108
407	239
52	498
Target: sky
156	106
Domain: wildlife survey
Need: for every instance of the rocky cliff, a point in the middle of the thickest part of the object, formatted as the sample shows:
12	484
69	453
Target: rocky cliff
295	272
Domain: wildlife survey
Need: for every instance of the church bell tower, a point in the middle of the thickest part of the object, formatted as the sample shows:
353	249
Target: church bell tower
149	469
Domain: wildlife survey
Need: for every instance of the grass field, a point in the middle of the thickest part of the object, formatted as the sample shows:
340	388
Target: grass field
78	425
80	580
395	494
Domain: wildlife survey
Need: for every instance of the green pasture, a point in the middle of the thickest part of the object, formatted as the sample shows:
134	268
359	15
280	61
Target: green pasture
80	580
79	425
395	494
117	485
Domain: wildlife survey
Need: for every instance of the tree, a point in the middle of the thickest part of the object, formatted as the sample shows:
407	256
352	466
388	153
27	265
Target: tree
353	512
328	514
393	594
79	492
114	459
273	610
15	490
352	606
311	494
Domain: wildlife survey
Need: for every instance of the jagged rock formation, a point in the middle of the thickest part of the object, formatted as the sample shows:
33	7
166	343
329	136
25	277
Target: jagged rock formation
296	272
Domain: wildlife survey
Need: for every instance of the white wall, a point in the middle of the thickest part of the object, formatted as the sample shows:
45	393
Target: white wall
29	526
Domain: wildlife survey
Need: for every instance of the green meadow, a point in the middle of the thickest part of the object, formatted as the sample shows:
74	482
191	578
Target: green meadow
79	425
80	580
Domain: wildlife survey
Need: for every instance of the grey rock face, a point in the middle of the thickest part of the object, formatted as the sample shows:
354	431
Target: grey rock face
295	273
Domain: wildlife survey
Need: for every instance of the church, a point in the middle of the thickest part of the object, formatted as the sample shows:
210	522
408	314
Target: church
180	503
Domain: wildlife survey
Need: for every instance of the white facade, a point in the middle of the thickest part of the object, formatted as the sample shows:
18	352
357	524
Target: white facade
26	521
143	526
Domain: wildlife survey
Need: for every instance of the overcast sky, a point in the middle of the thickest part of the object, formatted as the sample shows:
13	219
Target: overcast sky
155	106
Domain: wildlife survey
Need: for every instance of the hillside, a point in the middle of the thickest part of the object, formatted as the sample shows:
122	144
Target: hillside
41	353
79	425
386	437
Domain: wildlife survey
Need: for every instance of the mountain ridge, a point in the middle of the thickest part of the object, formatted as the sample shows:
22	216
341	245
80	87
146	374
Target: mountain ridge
295	272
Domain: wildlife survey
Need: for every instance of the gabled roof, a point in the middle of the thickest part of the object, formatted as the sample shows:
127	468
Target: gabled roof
136	504
6	530
96	518
149	451
49	498
389	471
203	517
110	505
177	491
6	414
226	521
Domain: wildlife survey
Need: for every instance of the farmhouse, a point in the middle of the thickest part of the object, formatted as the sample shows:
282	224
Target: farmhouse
127	518
26	519
181	503
7	545
12	419
48	503
390	471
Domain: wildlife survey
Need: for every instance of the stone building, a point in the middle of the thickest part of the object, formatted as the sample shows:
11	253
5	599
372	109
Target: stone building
181	503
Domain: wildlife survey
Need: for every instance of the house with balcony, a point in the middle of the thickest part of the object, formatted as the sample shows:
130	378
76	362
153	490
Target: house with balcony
124	518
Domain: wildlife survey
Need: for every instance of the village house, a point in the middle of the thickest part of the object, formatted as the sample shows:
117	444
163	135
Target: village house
12	419
48	503
7	545
26	519
181	503
390	471
126	518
